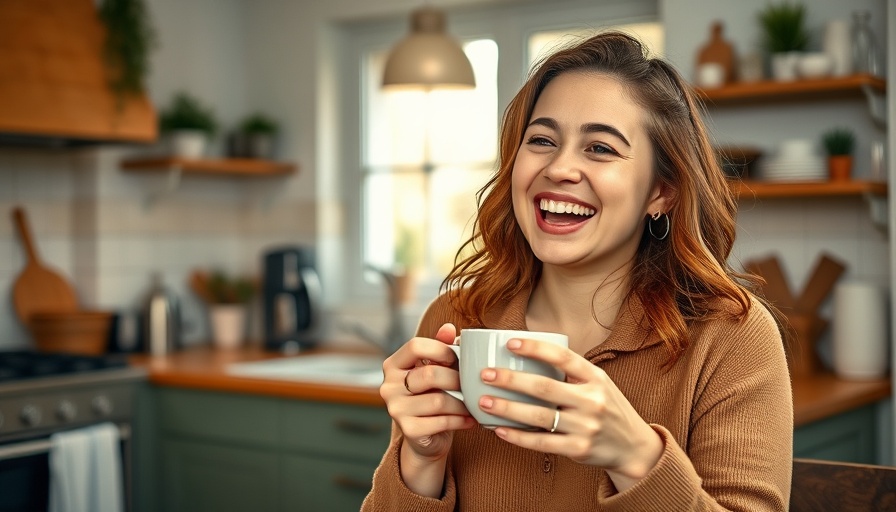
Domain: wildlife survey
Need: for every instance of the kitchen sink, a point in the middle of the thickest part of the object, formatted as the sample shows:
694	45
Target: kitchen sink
350	369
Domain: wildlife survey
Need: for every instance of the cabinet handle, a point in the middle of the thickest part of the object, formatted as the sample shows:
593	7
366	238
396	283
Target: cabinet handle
347	482
357	427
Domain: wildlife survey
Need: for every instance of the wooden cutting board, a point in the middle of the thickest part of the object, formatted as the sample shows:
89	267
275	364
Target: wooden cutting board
38	288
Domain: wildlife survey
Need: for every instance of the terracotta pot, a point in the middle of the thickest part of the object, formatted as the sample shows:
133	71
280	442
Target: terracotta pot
839	167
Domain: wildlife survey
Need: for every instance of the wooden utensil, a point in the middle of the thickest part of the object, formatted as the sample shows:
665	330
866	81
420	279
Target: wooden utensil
38	288
776	288
820	284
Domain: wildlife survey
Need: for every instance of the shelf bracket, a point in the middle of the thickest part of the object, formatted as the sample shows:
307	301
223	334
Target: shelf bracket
877	106
878	211
172	182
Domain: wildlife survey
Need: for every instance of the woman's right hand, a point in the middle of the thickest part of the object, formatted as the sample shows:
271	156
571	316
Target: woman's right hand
426	415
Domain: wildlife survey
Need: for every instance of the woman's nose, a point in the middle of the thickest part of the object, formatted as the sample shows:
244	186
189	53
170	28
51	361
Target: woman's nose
565	166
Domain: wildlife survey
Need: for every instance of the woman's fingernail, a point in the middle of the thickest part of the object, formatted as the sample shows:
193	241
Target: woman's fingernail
489	374
486	402
514	344
501	432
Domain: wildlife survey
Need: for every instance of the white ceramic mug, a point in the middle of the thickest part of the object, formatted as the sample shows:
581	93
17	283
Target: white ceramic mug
477	349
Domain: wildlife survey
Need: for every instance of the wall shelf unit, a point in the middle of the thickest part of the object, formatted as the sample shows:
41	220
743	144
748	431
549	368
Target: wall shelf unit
770	189
248	167
175	168
873	88
769	90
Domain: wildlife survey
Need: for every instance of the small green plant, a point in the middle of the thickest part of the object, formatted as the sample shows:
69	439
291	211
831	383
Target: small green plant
225	289
259	123
838	141
784	28
188	113
408	250
129	39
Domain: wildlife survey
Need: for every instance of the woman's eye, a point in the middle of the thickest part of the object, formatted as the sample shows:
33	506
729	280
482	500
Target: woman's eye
538	140
601	149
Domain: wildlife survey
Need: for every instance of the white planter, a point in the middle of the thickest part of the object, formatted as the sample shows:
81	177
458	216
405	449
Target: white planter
228	324
860	330
187	143
784	66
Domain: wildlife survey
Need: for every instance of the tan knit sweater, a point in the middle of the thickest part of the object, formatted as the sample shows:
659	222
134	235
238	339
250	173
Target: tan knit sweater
724	411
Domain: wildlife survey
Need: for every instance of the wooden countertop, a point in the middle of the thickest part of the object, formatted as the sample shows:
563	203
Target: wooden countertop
814	398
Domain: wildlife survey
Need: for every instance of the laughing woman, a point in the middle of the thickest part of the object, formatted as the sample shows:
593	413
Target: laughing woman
608	220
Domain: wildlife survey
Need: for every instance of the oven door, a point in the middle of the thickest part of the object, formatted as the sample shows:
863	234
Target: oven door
25	472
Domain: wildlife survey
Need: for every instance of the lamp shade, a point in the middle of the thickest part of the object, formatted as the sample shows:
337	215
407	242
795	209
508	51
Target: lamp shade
428	57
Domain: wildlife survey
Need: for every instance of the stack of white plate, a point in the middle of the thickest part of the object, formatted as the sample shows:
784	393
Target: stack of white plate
794	160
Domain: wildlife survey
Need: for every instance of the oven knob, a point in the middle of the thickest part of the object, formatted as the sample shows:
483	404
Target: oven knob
101	405
66	411
30	416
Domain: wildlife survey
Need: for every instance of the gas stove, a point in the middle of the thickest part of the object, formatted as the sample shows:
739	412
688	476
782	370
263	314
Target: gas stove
45	392
42	394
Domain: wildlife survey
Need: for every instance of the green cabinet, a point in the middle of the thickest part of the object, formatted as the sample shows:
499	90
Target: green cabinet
847	437
230	452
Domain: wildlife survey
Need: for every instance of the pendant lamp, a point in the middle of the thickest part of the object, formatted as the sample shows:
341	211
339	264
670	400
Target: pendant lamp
428	57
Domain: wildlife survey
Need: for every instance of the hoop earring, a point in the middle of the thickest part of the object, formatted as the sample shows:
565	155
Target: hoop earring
655	217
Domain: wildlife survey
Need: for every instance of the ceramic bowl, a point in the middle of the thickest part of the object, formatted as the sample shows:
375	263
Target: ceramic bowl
814	65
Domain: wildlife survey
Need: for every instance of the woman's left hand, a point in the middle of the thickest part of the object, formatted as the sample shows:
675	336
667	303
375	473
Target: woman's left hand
596	424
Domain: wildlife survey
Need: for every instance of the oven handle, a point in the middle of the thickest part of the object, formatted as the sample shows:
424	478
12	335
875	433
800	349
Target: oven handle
29	448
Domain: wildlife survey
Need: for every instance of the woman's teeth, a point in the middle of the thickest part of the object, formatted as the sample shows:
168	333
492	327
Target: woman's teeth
552	206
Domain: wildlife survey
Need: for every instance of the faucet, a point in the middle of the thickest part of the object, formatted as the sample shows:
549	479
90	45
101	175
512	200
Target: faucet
395	335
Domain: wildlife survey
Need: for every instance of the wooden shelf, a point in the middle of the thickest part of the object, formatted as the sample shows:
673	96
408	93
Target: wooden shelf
218	166
769	90
770	189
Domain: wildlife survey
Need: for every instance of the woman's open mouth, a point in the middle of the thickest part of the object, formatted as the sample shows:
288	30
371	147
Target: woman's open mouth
560	217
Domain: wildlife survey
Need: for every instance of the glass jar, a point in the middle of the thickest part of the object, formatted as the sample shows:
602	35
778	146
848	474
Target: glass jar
865	52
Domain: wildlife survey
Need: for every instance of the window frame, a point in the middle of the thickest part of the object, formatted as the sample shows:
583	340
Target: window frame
510	27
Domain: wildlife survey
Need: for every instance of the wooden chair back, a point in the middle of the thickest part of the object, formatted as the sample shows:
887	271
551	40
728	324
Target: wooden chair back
821	486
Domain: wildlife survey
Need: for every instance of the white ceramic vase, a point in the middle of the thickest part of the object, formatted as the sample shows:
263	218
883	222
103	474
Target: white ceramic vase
784	66
860	330
837	43
187	143
228	324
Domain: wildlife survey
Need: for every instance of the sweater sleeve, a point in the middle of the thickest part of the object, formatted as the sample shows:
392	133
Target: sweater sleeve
740	447
389	492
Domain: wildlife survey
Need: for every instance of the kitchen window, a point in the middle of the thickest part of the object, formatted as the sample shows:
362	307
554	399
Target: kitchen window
422	156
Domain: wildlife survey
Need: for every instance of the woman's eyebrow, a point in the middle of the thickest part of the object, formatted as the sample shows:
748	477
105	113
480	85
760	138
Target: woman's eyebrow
552	124
600	127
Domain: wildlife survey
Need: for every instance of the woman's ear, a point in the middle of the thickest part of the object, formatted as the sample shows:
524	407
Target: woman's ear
662	199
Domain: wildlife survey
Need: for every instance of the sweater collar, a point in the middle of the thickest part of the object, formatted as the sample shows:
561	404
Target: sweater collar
630	332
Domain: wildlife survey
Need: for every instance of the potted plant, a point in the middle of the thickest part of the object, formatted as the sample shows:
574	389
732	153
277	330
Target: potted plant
408	258
226	297
839	144
129	39
188	124
255	137
784	37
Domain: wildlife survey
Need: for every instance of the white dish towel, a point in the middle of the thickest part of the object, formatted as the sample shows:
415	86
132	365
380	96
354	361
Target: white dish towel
85	470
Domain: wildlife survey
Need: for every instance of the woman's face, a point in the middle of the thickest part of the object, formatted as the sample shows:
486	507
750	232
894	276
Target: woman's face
583	179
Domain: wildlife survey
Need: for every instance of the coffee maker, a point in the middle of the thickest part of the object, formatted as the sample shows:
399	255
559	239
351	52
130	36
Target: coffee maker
292	299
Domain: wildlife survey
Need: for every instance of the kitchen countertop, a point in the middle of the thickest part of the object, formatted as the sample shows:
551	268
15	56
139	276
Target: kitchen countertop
814	397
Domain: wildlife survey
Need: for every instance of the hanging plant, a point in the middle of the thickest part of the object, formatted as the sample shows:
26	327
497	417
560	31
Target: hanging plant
129	39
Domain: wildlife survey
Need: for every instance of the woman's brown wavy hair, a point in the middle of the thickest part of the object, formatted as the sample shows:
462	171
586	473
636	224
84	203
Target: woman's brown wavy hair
677	279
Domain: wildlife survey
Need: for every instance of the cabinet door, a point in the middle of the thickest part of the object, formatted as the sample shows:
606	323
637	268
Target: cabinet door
199	476
324	485
848	437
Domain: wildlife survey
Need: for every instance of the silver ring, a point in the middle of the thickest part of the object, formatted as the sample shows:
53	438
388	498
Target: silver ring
556	421
406	375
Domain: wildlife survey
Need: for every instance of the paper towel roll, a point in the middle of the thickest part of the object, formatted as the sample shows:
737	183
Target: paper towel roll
860	330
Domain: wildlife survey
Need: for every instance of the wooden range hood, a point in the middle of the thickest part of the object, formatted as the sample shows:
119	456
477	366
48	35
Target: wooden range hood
54	86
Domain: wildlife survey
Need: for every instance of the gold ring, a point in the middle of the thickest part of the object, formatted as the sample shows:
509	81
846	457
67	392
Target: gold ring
406	375
556	417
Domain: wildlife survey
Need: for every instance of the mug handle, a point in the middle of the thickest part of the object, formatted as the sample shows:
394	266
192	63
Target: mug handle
456	348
